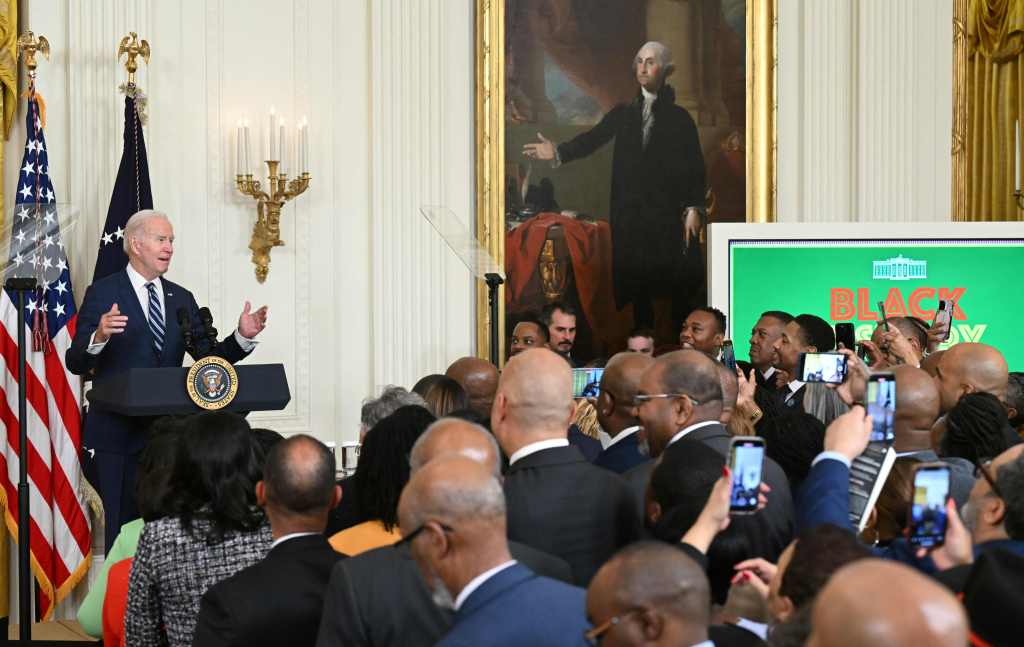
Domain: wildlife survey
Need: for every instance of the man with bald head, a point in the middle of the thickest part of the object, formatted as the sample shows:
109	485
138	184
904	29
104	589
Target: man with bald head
616	413
680	396
280	600
917	408
452	516
557	501
479	378
650	593
970	368
730	391
877	602
378	598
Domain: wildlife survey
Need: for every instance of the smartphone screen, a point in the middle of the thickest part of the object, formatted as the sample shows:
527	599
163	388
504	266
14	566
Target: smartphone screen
845	336
728	355
944	316
822	367
927	523
881	400
586	382
746	461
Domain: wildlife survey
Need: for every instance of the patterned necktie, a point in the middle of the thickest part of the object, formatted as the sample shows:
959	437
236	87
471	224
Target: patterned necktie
648	119
156	319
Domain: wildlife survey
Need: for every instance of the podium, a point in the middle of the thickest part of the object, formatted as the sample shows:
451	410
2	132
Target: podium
161	391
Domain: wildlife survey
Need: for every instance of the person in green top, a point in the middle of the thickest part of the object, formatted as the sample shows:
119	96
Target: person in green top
156	464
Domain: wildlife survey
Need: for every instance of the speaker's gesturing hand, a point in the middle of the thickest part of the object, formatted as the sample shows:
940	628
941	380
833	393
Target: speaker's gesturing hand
112	322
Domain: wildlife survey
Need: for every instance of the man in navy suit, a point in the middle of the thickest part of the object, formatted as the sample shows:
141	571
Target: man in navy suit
129	320
452	516
616	413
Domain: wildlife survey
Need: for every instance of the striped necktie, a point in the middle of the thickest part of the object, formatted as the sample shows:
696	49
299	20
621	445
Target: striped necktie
156	319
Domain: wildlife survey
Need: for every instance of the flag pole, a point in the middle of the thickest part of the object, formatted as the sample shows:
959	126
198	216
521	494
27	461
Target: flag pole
29	45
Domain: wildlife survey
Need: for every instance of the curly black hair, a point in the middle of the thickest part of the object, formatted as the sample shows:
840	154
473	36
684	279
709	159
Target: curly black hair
976	428
383	468
215	473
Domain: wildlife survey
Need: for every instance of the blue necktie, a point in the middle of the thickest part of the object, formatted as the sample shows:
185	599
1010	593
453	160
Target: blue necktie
156	319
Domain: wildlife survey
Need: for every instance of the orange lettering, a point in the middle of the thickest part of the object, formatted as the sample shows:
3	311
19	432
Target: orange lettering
894	304
915	301
864	312
842	304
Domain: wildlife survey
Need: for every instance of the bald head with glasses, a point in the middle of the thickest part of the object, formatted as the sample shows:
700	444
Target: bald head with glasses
677	391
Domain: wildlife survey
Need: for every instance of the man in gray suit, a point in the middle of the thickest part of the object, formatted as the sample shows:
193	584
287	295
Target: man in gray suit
680	396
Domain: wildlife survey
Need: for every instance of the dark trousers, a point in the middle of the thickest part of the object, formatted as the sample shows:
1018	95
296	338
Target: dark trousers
113	475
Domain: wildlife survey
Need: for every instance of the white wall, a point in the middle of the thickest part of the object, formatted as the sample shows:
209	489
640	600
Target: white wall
864	110
364	293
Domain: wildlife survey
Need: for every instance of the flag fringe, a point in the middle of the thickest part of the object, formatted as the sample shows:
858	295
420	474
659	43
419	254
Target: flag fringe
45	585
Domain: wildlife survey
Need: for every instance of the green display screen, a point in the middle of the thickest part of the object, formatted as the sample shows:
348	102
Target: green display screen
845	280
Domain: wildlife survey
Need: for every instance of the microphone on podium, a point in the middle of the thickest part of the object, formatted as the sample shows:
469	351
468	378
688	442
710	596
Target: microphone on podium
185	322
208	330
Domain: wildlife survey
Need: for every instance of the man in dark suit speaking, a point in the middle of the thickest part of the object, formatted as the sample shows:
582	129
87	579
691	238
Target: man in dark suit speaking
129	320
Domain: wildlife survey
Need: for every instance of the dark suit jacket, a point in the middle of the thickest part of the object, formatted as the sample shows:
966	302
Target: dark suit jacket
275	602
623	455
132	348
561	504
589	447
517	607
779	512
379	599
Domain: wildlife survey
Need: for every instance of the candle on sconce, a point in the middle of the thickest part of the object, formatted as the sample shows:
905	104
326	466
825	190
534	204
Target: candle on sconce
270	131
282	143
239	156
248	149
1016	155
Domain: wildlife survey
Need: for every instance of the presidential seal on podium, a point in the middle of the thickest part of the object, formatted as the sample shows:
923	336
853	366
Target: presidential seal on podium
212	383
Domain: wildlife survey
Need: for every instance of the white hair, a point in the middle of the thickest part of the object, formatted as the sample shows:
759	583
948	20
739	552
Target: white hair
138	223
661	52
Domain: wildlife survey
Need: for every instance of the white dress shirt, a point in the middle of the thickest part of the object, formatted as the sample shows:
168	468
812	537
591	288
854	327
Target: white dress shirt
533	448
478	581
767	375
793	387
647	119
293	535
142	293
625	433
683	432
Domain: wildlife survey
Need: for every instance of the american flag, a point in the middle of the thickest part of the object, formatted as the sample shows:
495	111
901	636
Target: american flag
60	533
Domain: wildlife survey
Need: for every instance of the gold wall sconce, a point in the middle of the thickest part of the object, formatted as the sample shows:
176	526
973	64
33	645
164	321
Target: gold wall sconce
266	233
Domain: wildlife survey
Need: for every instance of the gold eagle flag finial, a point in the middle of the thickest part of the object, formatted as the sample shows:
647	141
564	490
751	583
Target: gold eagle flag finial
133	47
30	44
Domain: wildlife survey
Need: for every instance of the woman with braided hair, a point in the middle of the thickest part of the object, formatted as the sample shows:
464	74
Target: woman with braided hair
976	429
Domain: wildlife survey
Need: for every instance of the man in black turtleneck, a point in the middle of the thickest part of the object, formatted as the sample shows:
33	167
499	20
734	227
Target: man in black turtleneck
657	191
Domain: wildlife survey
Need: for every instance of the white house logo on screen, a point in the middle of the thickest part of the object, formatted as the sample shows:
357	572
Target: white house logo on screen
899	269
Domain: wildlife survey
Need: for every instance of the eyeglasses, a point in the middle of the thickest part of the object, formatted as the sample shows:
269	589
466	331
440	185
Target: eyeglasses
593	636
408	539
638	400
983	469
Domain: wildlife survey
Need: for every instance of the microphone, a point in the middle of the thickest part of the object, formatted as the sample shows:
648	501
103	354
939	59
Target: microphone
185	322
208	330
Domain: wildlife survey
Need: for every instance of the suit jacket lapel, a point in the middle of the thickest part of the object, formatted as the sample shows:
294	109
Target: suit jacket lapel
498	584
172	332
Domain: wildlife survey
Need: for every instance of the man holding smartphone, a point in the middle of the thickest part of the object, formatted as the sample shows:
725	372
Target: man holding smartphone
806	333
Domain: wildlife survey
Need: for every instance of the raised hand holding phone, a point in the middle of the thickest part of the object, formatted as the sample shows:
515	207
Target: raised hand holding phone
854	385
928	516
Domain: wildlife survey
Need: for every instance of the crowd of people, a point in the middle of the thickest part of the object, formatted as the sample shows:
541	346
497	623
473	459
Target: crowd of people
494	508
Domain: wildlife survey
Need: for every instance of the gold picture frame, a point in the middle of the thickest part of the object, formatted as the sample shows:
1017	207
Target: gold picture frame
958	146
761	103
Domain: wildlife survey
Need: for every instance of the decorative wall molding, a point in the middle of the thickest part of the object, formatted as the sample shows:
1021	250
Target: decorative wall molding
864	108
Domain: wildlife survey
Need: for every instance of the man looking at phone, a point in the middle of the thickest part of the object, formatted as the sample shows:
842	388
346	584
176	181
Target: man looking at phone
679	396
703	330
616	413
804	334
560	320
763	357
